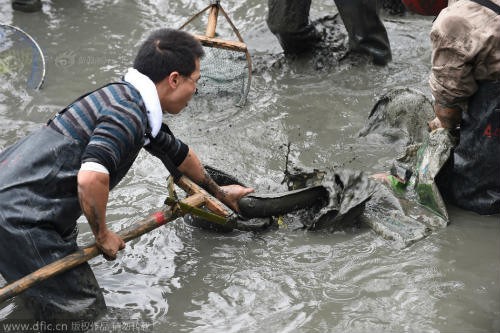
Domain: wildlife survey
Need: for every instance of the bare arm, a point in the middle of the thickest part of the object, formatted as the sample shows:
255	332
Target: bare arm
230	195
445	117
93	192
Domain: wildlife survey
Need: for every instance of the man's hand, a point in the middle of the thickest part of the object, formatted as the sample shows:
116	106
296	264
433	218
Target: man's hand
93	192
231	194
109	243
434	124
448	117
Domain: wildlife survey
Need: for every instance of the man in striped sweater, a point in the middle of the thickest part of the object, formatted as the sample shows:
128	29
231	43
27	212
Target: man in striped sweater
68	167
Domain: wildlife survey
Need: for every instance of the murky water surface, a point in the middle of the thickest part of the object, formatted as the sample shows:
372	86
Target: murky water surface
183	279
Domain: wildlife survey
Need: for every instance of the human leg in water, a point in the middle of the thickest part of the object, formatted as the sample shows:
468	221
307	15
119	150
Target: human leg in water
289	22
367	33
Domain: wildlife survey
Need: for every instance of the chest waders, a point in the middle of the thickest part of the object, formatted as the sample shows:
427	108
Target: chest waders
472	179
475	182
38	212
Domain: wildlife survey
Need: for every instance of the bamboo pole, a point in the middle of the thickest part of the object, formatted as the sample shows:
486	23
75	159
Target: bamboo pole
212	203
197	198
212	20
221	43
82	255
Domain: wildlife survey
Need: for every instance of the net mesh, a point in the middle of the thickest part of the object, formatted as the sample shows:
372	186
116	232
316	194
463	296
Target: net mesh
224	73
21	59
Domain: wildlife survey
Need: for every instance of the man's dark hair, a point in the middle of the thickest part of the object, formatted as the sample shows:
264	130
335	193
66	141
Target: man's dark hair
166	51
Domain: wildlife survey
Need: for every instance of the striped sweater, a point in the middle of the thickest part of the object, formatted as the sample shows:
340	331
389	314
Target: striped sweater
111	123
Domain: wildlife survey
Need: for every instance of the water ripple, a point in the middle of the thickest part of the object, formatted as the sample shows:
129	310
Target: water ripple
184	279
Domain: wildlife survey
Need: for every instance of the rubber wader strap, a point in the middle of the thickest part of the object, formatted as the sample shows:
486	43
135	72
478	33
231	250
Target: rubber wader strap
148	127
83	96
165	159
488	4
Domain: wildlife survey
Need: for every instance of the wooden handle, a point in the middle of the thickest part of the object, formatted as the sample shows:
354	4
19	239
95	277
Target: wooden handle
82	255
222	44
212	20
212	203
197	197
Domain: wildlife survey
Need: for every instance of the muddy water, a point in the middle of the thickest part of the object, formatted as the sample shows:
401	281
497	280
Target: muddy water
183	279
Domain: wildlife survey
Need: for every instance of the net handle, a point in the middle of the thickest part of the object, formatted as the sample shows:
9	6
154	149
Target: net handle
212	20
214	7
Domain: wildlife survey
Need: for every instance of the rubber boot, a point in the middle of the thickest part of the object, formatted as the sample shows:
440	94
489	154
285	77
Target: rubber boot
289	22
393	7
28	6
366	31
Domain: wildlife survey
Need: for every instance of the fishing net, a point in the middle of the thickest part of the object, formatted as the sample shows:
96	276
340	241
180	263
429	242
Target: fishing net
21	59
226	69
224	74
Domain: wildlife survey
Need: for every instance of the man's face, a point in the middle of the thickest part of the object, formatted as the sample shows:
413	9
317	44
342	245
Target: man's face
185	88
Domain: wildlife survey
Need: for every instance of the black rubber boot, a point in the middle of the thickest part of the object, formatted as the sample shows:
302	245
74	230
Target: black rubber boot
366	31
393	7
289	22
28	6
